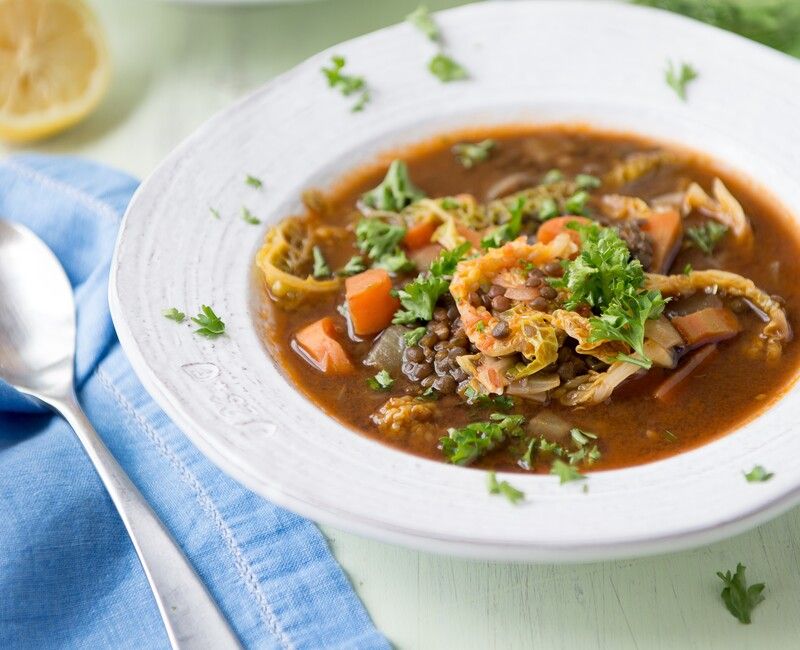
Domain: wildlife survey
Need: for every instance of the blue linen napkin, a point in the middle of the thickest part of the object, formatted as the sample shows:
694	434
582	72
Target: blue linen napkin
69	577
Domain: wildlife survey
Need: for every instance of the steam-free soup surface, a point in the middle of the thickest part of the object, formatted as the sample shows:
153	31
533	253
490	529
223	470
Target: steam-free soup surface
719	353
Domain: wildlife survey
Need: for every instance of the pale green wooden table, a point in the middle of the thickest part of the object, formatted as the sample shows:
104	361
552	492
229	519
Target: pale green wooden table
175	66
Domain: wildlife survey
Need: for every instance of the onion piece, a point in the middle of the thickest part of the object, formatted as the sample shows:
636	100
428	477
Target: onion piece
534	387
661	356
662	332
681	374
510	184
387	351
550	426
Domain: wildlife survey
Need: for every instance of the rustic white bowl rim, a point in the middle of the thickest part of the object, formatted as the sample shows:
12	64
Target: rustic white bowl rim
234	404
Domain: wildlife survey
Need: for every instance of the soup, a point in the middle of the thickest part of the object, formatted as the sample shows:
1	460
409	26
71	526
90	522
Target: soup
522	298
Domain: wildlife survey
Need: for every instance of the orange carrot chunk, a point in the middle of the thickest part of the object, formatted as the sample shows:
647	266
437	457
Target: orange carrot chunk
318	341
370	302
707	325
668	388
552	228
665	228
419	235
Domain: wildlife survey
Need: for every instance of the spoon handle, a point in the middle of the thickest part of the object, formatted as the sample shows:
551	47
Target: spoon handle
190	615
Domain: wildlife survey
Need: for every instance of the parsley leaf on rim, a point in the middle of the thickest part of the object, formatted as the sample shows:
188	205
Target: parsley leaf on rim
565	472
211	325
446	69
679	78
421	19
174	314
249	217
758	475
347	84
503	487
252	181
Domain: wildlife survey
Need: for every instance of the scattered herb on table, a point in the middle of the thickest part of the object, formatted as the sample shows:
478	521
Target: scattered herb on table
214	212
422	20
321	268
679	78
470	154
346	84
211	325
252	181
758	475
382	381
740	599
446	69
174	314
249	217
505	488
707	236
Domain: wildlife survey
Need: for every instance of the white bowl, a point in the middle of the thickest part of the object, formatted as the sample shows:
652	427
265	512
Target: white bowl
592	62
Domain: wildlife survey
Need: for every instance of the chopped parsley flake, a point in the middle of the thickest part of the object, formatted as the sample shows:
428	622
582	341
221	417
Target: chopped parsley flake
418	298
249	217
395	262
606	278
354	265
553	176
421	19
503	487
174	314
467	444
576	204
252	181
214	212
346	84
679	78
412	337
445	69
470	154
501	402
587	182
548	209
707	236
509	230
377	238
395	192
739	599
565	472
382	381
211	325
687	269
758	475
321	268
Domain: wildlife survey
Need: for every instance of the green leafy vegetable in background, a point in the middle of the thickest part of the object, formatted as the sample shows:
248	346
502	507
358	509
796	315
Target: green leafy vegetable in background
395	192
382	381
346	84
445	69
321	268
467	444
587	182
174	314
679	78
758	475
707	236
740	599
773	22
211	325
422	20
503	487
470	154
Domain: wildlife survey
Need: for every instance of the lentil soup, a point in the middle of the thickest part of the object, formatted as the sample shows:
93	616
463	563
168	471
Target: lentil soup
518	298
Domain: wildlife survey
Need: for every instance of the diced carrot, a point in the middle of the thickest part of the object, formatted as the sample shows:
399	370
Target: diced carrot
667	389
419	235
369	301
665	228
318	341
552	228
707	325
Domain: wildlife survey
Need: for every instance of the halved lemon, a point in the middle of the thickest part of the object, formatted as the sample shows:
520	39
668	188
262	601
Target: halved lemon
54	66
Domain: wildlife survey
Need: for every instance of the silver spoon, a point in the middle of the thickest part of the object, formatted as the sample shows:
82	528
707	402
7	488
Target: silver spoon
37	351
